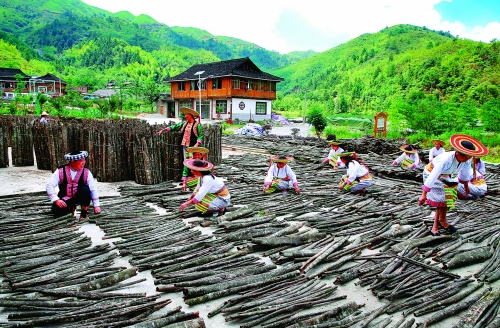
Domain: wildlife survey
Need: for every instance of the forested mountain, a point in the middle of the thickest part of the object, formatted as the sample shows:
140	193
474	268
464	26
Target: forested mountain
57	25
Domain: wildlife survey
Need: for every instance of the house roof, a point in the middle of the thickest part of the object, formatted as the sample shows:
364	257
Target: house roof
50	77
10	73
242	67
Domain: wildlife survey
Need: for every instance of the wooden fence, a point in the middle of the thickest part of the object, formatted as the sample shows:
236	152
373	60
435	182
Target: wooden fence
119	150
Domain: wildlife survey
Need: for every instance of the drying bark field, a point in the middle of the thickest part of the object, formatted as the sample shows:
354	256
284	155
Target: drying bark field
321	258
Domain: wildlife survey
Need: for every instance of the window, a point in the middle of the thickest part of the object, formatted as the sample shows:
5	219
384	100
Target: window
273	86
258	85
221	106
260	108
251	85
187	104
243	85
181	86
194	85
236	83
217	83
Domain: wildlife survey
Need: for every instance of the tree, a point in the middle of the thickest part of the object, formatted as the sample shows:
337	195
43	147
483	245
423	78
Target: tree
316	118
491	114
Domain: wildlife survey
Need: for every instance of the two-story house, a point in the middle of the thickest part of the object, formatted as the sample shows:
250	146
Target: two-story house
230	89
48	84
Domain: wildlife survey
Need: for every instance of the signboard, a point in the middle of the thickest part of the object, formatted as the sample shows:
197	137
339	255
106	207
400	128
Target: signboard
380	125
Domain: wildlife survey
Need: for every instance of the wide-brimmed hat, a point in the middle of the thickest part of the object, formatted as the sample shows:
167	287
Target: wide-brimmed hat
281	159
408	149
44	113
187	110
198	165
333	142
76	155
345	153
467	145
441	142
201	150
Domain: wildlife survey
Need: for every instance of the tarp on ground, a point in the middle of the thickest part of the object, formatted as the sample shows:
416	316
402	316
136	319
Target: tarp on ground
250	129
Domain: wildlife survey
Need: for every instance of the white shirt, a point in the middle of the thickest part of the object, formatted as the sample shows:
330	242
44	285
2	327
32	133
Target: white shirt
447	163
480	166
54	181
332	154
274	171
413	157
208	184
434	152
355	170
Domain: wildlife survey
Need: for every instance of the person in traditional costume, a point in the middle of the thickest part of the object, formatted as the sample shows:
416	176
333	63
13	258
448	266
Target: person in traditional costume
280	176
477	185
192	130
76	185
437	149
332	158
358	178
409	159
439	190
188	179
211	196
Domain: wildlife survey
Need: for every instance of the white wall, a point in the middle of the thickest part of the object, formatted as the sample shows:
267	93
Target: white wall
249	109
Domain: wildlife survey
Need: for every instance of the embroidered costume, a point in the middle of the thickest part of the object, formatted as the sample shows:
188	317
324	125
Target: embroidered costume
188	179
76	187
357	178
280	176
210	195
439	189
409	159
192	130
333	158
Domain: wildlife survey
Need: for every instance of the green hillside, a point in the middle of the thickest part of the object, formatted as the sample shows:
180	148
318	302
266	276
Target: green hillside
60	25
417	75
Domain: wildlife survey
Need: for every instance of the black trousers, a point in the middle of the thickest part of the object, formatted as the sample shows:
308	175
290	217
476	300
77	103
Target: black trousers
82	198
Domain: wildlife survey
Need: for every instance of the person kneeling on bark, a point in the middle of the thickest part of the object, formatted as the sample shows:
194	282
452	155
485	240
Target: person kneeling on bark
439	190
76	186
409	159
358	178
280	176
332	158
210	196
477	185
188	179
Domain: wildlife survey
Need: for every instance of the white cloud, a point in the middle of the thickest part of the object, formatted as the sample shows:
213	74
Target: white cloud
325	23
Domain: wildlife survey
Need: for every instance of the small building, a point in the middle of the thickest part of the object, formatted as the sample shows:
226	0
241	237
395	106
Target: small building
47	84
229	89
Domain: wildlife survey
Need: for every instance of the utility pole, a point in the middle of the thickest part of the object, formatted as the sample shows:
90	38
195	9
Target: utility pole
305	105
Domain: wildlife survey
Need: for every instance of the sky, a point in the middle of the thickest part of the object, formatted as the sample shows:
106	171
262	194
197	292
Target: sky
298	25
